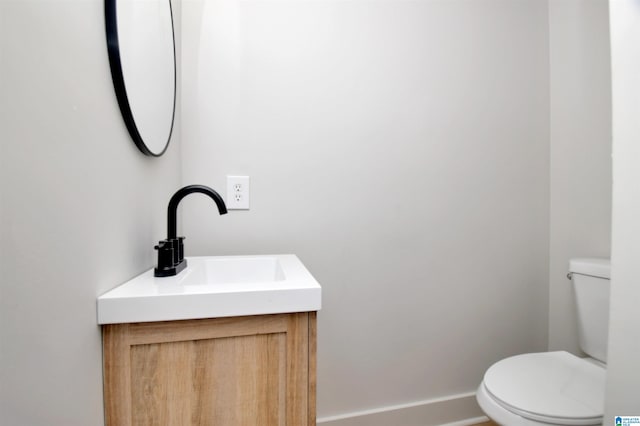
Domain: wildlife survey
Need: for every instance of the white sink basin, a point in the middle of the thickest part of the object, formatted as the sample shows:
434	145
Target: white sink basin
215	286
233	270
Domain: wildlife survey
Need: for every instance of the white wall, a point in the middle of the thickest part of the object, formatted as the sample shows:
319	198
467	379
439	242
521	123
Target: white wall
623	373
580	136
80	208
342	113
401	149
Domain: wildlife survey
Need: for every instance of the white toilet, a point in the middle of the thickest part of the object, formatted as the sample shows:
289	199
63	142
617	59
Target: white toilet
557	388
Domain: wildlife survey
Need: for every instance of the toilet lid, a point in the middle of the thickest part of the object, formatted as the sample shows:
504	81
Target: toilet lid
556	386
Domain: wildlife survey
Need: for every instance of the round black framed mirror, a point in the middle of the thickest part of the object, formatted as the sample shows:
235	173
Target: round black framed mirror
141	46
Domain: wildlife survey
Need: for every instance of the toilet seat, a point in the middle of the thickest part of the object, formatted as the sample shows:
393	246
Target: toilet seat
551	387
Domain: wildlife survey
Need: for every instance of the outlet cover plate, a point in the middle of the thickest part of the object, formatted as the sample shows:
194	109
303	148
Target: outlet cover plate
238	193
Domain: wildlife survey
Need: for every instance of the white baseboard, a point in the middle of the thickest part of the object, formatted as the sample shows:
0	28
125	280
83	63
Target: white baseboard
454	410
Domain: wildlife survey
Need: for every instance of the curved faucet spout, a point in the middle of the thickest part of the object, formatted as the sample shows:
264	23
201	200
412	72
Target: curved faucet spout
172	211
171	251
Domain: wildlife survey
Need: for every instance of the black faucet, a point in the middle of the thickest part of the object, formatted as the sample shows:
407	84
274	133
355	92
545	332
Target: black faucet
171	259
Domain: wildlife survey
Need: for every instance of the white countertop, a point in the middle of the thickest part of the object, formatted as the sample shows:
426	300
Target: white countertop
214	286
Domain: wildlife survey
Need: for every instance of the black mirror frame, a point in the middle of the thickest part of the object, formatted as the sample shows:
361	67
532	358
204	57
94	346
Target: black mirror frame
113	48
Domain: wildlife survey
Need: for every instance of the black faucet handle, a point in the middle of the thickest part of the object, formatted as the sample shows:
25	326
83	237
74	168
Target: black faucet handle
170	257
165	259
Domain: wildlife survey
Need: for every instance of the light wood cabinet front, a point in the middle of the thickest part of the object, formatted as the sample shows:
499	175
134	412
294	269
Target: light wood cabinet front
241	371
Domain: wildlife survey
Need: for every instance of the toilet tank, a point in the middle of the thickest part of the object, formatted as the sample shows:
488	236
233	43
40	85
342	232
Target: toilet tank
591	287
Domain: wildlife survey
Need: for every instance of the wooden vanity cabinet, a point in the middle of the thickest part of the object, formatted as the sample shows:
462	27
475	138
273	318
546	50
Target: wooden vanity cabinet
238	371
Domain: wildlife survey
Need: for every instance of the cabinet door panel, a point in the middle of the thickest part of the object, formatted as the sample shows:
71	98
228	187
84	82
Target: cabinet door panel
225	381
249	371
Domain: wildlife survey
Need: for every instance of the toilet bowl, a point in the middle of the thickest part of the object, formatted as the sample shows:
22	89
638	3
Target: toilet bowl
557	388
549	388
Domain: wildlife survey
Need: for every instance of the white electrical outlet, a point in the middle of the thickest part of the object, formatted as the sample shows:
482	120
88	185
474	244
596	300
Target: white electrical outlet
238	192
